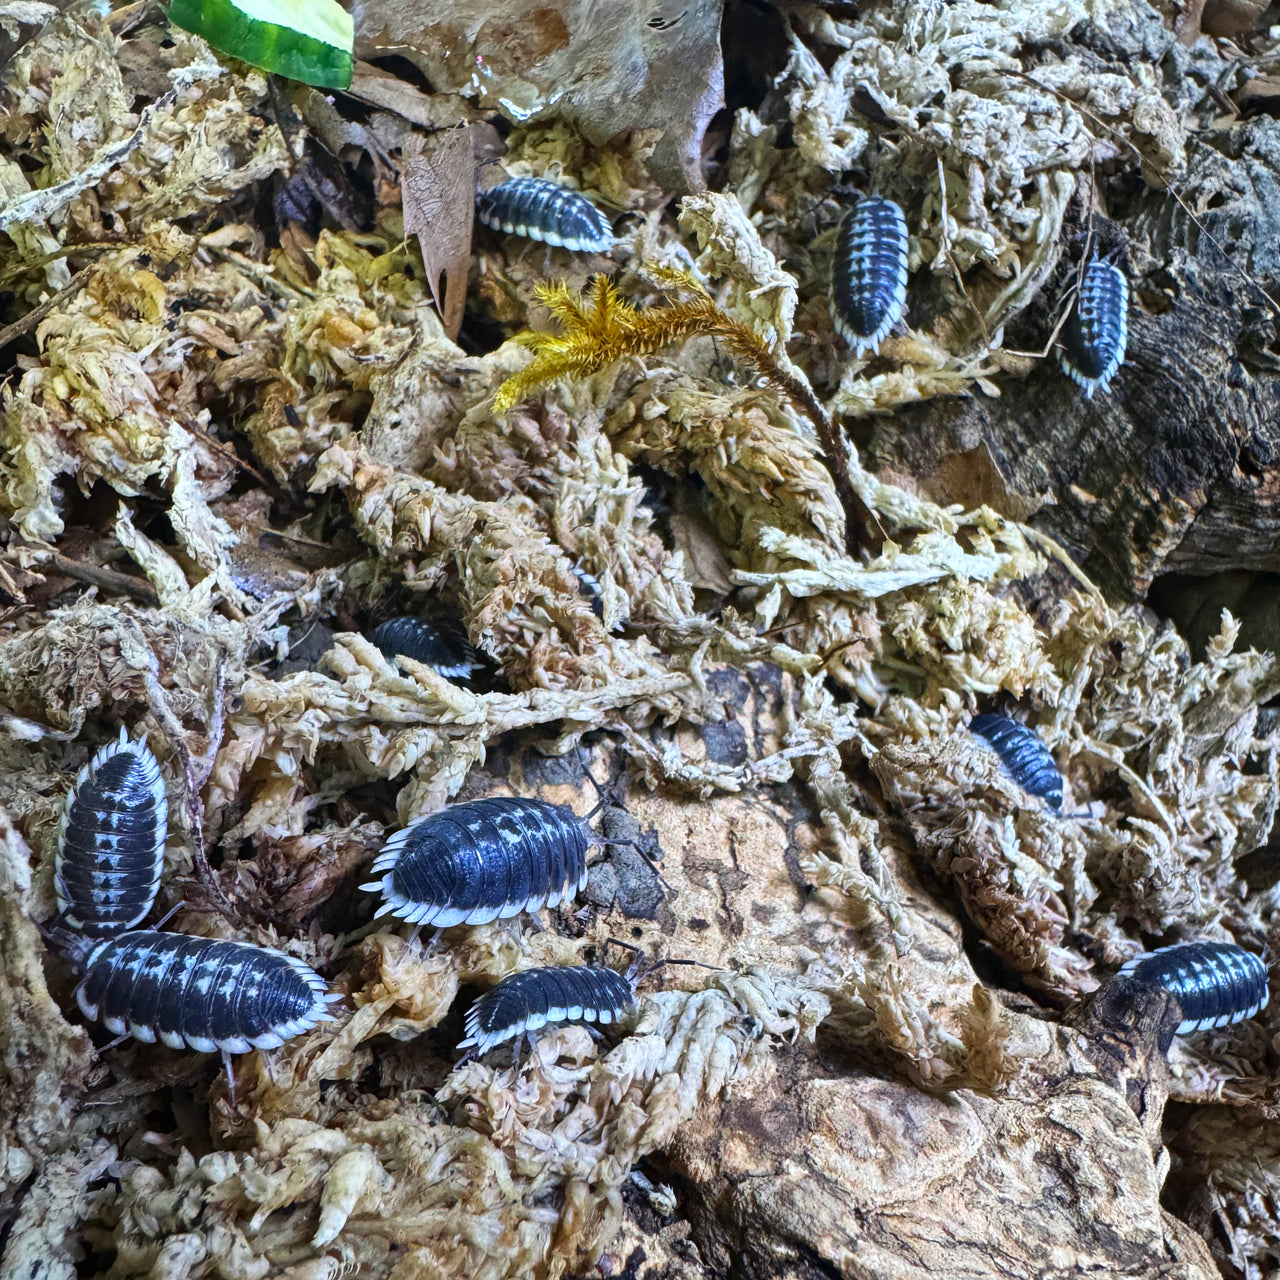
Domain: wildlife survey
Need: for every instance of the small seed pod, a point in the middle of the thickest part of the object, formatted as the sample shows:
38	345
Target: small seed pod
1215	983
483	860
111	841
1023	754
1094	340
535	998
448	655
201	993
545	211
869	273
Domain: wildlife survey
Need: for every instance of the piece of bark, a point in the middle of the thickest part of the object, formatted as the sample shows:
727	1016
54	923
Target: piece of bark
802	1175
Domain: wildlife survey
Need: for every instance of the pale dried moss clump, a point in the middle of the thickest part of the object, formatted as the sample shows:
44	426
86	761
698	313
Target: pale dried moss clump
787	648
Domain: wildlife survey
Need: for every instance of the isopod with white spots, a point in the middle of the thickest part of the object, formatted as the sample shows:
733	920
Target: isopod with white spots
547	996
111	841
200	993
447	654
1093	343
1214	983
545	211
483	860
869	273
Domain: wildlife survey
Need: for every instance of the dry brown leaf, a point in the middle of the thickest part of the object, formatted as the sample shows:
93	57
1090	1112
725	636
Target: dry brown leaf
438	189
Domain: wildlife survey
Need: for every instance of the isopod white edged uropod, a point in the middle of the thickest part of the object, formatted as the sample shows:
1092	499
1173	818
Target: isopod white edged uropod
200	993
483	860
1023	754
869	273
545	211
1214	983
1093	343
546	996
110	851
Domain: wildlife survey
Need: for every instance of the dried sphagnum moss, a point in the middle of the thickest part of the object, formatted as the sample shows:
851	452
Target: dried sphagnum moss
809	808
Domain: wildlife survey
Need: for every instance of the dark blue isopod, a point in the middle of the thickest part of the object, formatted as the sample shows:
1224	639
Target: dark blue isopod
545	211
1023	754
590	589
111	842
202	993
447	654
869	273
483	860
1094	340
535	998
1215	983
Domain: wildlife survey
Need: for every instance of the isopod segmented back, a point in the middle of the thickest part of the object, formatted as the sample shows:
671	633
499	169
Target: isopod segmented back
1215	983
482	860
447	653
535	998
1093	343
1023	754
869	273
201	993
545	211
111	841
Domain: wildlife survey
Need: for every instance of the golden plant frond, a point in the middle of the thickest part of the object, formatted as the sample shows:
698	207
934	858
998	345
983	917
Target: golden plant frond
599	328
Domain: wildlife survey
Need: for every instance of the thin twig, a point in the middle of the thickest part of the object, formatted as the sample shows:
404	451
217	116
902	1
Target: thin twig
108	579
38	313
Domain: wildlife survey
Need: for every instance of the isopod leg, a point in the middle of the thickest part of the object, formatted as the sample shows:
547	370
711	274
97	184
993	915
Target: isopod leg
231	1078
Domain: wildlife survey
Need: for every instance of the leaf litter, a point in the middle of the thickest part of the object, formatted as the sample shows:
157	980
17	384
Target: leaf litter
284	451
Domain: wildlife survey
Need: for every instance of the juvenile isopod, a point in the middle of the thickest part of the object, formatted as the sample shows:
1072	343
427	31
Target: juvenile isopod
483	860
111	842
200	993
869	273
1214	983
445	652
589	589
545	211
549	995
1023	754
1094	340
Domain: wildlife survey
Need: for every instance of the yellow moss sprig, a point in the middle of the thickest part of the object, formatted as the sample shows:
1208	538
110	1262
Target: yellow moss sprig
599	328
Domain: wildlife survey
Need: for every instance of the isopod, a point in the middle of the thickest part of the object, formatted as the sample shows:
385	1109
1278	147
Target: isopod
590	589
448	655
534	998
545	211
111	841
1215	983
869	273
1094	340
483	860
199	992
1023	754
